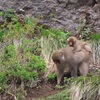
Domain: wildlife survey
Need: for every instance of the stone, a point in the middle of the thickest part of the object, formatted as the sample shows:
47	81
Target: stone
60	14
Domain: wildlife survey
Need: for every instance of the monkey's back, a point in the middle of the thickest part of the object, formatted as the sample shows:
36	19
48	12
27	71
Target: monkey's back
77	57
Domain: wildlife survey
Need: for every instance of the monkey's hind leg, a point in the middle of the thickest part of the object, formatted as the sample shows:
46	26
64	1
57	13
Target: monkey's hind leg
60	75
83	69
74	71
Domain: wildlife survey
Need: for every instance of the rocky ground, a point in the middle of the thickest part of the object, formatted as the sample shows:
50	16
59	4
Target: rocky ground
62	14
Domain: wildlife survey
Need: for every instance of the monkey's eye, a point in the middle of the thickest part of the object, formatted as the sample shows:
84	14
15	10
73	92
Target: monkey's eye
56	61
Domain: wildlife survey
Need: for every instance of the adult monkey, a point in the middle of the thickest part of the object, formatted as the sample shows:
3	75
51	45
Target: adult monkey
78	61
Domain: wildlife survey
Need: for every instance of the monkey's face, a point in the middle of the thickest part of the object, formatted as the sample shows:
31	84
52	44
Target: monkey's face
58	57
56	61
71	41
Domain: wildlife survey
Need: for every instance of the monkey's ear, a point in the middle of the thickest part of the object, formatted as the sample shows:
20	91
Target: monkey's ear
67	39
62	56
61	53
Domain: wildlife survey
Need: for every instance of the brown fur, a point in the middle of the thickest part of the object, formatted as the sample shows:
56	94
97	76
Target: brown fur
76	62
78	45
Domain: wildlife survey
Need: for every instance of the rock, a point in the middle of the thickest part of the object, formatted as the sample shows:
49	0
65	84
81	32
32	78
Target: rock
27	7
61	14
96	29
98	1
71	4
20	11
1	8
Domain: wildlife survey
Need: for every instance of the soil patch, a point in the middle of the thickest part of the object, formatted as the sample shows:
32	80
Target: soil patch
42	90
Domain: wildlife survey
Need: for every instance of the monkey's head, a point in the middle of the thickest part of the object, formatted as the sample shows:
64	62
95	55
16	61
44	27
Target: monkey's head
58	57
71	41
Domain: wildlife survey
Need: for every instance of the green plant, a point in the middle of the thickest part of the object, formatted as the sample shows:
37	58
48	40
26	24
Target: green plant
51	76
20	61
85	88
59	96
83	31
36	63
19	96
14	26
51	16
14	68
95	37
22	73
51	39
3	79
81	26
9	52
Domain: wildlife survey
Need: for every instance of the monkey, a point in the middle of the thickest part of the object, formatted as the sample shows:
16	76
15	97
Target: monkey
78	45
65	57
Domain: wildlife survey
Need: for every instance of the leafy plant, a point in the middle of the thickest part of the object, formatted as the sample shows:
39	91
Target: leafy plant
15	26
51	76
51	40
59	96
9	53
95	37
83	31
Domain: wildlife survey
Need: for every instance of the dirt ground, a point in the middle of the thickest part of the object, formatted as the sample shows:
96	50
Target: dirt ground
42	90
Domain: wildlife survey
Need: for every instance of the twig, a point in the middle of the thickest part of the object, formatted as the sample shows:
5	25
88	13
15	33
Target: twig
10	94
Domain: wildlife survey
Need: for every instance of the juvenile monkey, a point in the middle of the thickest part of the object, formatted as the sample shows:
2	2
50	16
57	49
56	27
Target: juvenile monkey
75	62
78	45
